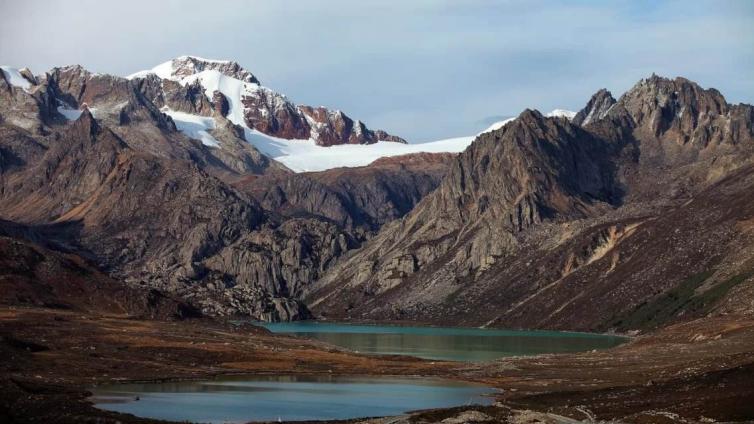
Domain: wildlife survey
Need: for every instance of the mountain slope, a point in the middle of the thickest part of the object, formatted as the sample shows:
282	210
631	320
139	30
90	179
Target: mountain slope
123	186
361	198
532	170
547	224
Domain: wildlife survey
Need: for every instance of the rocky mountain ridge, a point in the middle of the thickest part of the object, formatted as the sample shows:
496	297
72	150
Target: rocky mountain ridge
93	157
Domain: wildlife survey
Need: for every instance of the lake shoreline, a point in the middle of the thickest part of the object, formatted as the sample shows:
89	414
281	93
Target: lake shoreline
424	324
63	353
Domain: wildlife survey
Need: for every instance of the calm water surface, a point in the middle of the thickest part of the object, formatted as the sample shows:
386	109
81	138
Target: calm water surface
242	399
457	344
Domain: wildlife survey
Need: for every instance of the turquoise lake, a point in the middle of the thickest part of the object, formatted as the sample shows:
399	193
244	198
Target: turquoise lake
456	344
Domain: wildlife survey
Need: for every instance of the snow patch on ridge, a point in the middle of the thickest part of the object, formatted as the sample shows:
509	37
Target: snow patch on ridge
71	113
163	70
306	156
557	113
561	113
15	78
497	125
194	126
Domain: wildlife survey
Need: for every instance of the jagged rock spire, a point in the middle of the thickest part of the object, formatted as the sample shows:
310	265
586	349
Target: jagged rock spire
596	108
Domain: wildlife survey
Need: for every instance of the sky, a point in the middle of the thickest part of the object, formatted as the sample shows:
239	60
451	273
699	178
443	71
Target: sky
423	70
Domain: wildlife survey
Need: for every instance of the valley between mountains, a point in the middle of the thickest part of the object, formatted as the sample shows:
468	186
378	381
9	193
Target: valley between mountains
141	215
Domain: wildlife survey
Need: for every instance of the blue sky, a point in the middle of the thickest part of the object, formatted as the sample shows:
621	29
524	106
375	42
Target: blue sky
420	69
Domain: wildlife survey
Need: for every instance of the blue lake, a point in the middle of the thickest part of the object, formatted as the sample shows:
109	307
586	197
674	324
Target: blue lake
243	399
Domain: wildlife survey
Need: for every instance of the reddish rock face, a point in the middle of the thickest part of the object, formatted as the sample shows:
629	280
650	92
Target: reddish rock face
272	114
76	85
334	127
330	128
680	111
383	136
422	159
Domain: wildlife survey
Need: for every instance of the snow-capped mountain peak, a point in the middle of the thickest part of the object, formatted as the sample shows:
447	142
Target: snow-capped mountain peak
182	67
245	102
21	78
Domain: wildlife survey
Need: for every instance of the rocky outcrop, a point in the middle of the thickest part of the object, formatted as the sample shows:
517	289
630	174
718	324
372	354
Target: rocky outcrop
189	98
380	135
280	261
273	114
114	100
335	127
220	103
